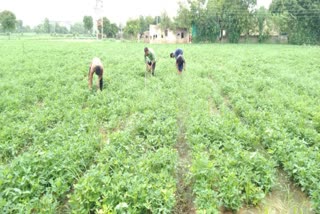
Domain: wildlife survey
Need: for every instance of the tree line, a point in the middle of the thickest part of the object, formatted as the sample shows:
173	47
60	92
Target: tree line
206	20
210	20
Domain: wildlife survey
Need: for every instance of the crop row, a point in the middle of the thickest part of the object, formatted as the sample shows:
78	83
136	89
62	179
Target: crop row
135	170
66	149
282	111
226	171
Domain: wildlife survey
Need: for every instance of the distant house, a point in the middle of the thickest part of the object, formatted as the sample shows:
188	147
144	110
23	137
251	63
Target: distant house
159	36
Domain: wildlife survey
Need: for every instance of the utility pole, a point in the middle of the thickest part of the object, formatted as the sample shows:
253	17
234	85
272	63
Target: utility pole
98	9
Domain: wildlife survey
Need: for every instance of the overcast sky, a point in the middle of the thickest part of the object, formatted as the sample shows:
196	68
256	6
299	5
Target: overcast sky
33	12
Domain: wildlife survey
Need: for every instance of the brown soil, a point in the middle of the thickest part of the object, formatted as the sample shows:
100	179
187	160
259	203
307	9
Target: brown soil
184	195
284	198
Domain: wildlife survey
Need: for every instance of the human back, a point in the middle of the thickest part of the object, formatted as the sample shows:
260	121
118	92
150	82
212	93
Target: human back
176	53
151	55
150	60
96	62
96	67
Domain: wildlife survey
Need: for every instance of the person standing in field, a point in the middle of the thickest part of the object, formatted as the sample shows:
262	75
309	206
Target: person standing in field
180	61
96	67
150	60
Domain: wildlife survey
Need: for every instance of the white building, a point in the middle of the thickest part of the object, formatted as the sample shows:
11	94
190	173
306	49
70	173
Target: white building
157	35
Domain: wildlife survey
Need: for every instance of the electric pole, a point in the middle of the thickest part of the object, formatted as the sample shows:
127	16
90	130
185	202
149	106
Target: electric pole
98	9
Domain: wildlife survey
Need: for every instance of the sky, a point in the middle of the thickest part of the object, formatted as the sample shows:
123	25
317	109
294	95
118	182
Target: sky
33	12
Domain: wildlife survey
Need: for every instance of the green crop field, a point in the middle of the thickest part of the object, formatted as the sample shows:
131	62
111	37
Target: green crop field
211	140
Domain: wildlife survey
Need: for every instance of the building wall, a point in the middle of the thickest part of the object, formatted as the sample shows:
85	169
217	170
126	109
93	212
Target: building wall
278	39
156	36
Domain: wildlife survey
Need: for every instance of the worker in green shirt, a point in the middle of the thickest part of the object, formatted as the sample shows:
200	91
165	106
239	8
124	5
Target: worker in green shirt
150	60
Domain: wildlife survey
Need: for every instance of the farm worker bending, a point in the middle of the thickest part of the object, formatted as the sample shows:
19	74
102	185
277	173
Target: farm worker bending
150	60
180	61
176	53
96	67
180	64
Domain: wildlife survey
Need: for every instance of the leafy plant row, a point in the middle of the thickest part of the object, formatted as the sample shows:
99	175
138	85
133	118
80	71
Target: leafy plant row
39	179
281	110
64	148
226	169
135	170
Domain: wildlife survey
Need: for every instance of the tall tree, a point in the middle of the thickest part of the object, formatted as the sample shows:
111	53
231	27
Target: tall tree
236	17
143	24
110	30
88	23
19	26
60	29
27	29
262	16
183	20
150	20
46	25
114	30
210	17
132	28
77	28
7	20
204	20
39	29
165	21
302	18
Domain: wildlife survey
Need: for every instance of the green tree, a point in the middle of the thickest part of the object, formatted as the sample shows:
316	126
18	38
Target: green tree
7	20
156	20
46	26
19	26
88	23
114	30
237	16
183	20
165	21
300	18
204	20
262	17
110	30
77	28
143	24
150	20
60	29
39	29
210	17
27	29
132	28
281	22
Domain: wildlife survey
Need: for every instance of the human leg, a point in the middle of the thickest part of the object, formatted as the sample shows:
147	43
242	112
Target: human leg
153	68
